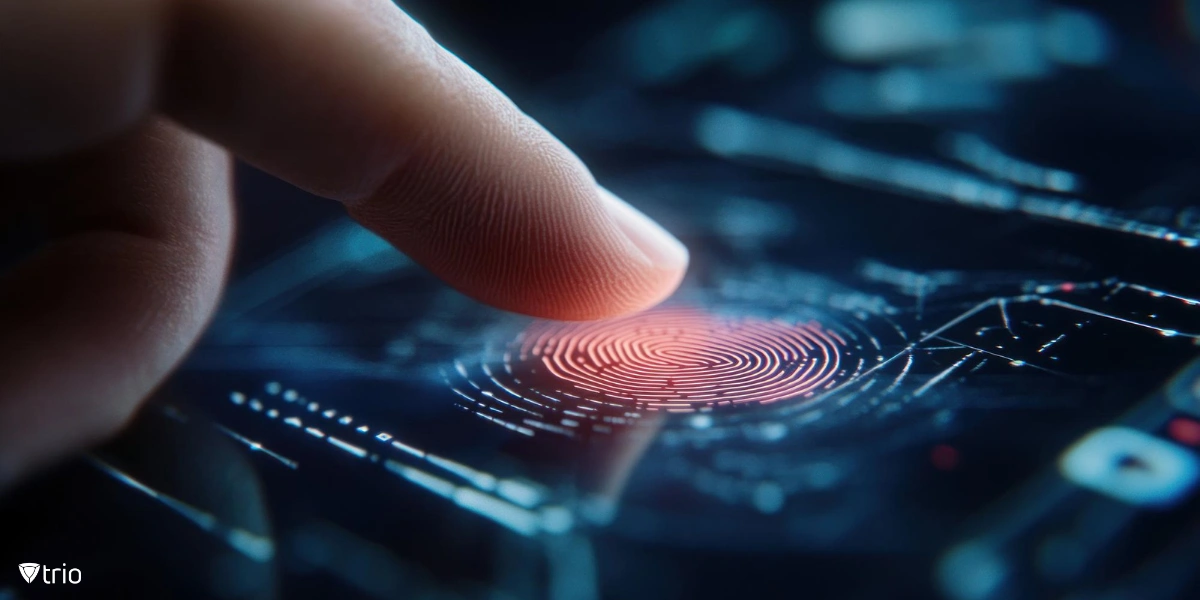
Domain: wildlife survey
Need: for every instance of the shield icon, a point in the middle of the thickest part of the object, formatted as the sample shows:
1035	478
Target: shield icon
29	571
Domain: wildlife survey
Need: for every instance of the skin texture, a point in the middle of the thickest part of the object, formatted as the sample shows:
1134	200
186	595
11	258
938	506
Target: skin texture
117	126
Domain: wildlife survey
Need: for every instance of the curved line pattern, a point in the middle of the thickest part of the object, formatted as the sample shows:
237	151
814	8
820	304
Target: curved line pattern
682	360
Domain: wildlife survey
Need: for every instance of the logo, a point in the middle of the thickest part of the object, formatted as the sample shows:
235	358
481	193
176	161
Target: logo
29	572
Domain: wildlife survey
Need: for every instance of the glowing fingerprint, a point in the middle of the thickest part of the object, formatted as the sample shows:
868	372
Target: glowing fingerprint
682	360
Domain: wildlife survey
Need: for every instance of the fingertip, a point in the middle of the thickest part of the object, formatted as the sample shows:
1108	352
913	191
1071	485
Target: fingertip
571	253
662	250
665	258
617	263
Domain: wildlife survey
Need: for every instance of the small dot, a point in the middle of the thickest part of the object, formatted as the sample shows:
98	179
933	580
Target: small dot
944	457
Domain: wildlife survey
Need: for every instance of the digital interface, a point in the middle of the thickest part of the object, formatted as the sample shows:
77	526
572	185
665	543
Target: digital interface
938	339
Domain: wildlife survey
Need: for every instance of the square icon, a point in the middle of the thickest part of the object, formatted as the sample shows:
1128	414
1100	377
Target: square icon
1131	466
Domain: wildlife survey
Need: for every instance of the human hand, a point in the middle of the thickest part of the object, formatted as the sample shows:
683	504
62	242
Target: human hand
116	126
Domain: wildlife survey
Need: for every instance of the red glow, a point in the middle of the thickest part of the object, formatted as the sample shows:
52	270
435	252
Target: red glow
1067	287
1184	431
944	457
682	359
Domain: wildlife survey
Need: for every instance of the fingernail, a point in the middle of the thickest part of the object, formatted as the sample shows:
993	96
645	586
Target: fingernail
656	243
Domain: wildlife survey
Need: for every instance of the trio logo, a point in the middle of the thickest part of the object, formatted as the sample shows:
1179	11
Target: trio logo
29	571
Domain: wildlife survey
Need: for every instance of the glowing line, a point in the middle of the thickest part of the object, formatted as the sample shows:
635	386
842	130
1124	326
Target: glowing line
505	424
1014	361
258	447
973	151
348	447
485	481
1160	293
514	517
502	512
1076	307
428	481
258	548
409	449
733	134
1051	342
940	376
1004	315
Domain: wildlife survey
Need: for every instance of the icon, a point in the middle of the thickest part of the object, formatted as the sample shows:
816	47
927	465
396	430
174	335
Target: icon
29	571
1131	466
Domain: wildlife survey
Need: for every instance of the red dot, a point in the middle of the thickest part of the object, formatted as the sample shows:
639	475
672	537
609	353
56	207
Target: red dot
1067	287
943	457
1184	431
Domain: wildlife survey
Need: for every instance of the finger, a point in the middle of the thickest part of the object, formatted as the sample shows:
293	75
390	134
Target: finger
91	323
351	99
